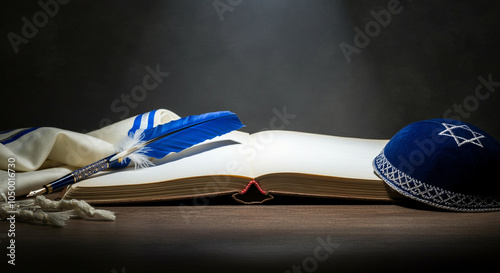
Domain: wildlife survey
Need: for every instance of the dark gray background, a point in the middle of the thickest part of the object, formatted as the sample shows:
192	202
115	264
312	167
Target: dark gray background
262	55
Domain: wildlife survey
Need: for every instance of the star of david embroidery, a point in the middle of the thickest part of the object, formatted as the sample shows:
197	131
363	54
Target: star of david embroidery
462	139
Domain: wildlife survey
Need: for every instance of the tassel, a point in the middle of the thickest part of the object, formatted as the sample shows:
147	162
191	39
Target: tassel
43	211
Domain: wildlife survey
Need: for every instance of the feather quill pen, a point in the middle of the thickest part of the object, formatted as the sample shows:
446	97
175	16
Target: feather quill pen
156	142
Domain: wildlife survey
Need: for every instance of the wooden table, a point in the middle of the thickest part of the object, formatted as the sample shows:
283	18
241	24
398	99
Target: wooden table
317	236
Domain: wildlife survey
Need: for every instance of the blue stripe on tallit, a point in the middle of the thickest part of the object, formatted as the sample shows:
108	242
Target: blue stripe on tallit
151	119
140	124
136	125
18	135
6	131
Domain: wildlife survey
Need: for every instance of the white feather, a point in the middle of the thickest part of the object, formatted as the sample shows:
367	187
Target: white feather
138	157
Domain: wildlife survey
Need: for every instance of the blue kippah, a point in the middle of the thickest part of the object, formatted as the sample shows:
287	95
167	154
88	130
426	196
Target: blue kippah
445	163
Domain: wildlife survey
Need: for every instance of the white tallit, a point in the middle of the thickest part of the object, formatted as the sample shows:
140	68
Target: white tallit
40	155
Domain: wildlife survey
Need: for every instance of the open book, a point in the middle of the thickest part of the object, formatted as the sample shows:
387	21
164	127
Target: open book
275	162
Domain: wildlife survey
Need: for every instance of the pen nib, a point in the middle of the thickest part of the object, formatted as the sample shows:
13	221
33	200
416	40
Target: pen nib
37	192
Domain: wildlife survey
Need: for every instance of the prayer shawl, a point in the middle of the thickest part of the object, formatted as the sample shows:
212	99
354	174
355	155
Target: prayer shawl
39	155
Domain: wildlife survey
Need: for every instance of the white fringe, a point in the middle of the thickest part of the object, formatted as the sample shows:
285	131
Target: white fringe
40	210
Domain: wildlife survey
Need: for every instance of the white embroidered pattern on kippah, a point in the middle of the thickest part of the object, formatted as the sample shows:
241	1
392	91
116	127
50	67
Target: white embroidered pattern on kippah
429	194
461	140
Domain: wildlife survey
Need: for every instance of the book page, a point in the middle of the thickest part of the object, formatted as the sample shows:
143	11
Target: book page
218	156
295	152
